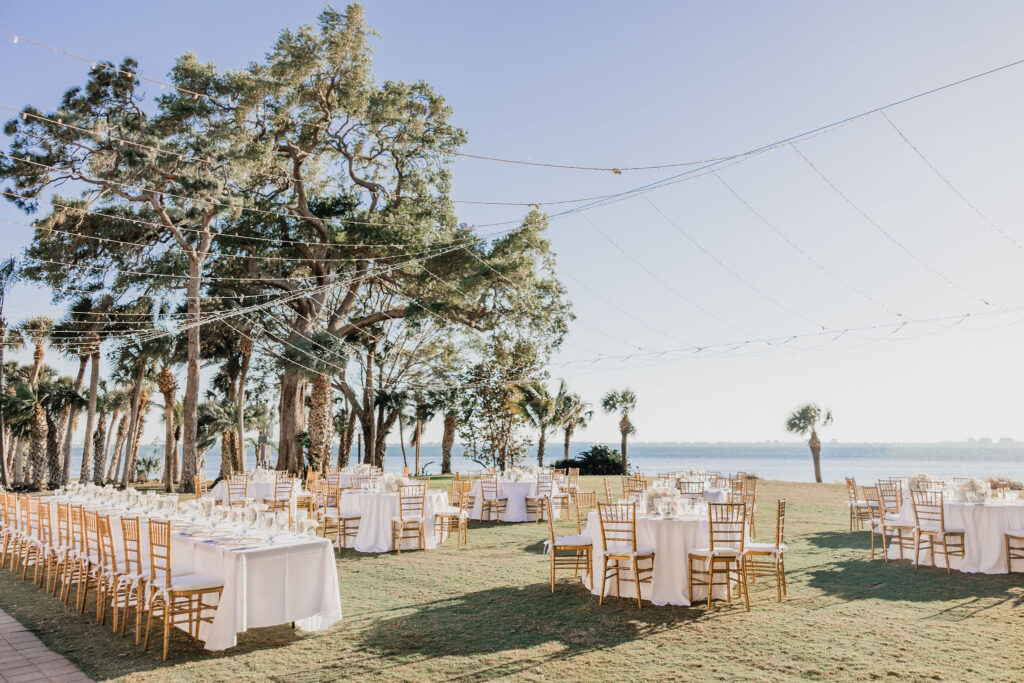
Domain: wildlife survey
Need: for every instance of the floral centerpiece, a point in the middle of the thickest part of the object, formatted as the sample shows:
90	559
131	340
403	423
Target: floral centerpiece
919	481
262	476
977	491
655	493
519	474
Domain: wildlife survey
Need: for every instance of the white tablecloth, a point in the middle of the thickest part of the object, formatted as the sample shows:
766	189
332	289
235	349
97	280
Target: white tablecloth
984	525
517	492
294	580
377	509
716	495
671	539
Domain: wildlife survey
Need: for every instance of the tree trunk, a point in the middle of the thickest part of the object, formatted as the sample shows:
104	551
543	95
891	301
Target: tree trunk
568	438
541	443
118	454
19	461
133	424
227	449
293	418
815	445
5	480
345	442
401	443
70	419
105	472
246	345
190	410
368	396
132	465
176	462
54	441
90	418
419	435
99	464
625	460
320	421
169	459
37	450
450	423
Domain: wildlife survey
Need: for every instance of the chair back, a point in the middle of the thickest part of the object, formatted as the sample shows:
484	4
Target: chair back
202	487
45	524
726	525
891	495
550	514
871	496
332	498
720	482
607	490
489	486
618	524
736	484
574	471
851	491
460	492
928	510
585	500
77	528
334	477
91	534
131	545
410	501
283	487
780	523
544	484
160	552
108	555
692	490
24	517
63	525
357	482
238	488
635	487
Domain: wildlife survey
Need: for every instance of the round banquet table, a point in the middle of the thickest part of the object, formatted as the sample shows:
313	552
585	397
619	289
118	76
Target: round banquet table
672	539
516	492
377	509
984	525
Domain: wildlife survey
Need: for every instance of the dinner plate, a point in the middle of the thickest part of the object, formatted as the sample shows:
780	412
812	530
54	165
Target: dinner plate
213	534
231	542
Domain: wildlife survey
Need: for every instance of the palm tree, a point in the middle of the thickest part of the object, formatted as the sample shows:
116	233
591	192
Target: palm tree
576	414
539	409
167	385
115	402
8	274
622	402
36	331
135	365
59	400
423	412
804	420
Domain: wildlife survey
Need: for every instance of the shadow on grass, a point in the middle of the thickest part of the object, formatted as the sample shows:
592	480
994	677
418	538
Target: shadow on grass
515	619
965	595
102	654
834	540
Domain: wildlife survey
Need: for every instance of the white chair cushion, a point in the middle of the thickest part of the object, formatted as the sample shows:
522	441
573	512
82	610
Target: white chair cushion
409	519
934	529
624	550
189	582
717	552
491	500
580	539
1018	533
333	514
764	548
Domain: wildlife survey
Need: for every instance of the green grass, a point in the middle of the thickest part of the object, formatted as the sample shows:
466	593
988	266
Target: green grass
485	612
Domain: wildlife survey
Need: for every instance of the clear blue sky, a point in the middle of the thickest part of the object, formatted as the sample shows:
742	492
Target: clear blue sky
647	83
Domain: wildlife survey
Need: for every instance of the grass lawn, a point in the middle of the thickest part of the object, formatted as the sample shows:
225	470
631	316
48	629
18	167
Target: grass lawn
485	612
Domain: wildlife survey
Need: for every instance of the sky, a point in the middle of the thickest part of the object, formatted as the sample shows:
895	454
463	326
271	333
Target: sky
781	255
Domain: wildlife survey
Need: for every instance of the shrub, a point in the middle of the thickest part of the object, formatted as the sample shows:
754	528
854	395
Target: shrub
597	460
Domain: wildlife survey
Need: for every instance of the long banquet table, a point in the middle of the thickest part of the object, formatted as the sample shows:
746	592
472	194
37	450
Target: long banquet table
672	539
376	510
293	580
984	525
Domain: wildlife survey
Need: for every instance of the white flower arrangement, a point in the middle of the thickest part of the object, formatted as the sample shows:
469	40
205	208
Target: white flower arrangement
977	491
655	493
915	482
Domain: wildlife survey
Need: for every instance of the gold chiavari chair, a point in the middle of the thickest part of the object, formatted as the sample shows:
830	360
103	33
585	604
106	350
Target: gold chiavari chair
891	494
535	504
931	528
961	480
410	517
111	571
37	549
564	471
859	512
607	490
72	563
281	500
344	525
768	559
724	555
635	487
177	599
691	490
1014	539
491	498
201	485
28	531
874	524
356	483
561	495
455	515
618	536
238	489
574	480
750	500
889	525
22	534
129	590
8	524
584	500
720	482
580	547
90	563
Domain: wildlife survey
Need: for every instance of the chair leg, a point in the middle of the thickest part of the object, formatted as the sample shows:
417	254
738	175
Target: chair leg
917	550
167	627
743	584
604	576
711	579
945	553
636	580
778	577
